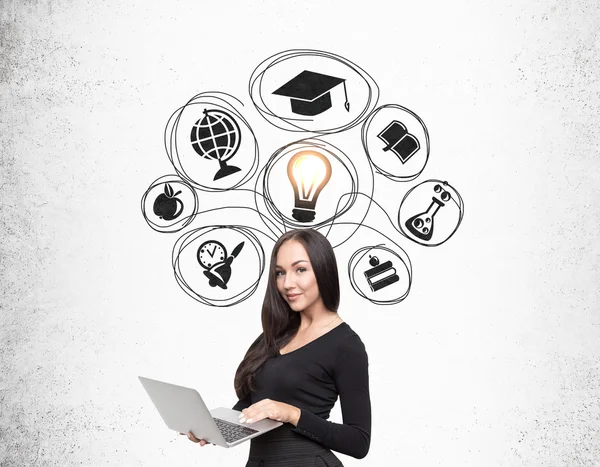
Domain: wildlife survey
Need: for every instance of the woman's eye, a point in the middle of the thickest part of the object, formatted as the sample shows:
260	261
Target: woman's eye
278	273
300	269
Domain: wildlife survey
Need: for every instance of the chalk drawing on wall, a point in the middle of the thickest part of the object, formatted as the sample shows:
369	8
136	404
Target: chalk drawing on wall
217	136
396	142
306	183
204	269
169	204
311	90
212	256
202	136
430	213
380	274
302	183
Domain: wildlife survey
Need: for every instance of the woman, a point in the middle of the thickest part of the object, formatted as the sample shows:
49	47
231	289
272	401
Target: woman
305	357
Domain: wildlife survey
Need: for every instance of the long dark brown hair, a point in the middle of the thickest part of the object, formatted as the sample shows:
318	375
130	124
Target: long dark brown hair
279	321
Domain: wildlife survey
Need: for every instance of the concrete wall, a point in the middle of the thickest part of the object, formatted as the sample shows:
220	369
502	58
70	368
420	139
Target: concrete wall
494	357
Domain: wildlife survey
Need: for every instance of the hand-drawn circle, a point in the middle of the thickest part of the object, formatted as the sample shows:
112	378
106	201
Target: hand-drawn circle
384	282
169	204
430	212
191	156
277	192
360	91
396	142
192	276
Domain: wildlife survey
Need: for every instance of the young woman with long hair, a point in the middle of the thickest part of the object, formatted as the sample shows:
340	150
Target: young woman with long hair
303	360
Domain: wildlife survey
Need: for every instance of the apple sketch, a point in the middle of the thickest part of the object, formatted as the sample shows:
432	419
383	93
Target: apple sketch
167	206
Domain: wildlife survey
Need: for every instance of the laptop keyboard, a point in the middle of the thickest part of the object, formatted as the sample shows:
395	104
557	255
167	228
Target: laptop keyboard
232	432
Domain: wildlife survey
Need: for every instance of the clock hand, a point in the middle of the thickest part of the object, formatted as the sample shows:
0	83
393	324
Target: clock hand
212	253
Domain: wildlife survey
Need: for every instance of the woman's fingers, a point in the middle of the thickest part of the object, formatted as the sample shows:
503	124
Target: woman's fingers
265	408
255	417
191	437
250	411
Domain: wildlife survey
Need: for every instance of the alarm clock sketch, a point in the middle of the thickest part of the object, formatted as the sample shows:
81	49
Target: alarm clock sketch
212	256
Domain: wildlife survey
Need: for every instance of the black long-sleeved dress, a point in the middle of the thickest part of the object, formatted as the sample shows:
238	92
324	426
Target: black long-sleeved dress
311	378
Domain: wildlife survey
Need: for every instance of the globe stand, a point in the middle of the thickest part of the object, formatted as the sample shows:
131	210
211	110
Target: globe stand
225	170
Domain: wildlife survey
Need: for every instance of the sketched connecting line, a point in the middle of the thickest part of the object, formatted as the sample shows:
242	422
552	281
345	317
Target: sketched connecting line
360	224
398	251
271	225
273	228
457	200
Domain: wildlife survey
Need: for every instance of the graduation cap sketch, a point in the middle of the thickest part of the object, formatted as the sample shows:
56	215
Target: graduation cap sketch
399	141
309	92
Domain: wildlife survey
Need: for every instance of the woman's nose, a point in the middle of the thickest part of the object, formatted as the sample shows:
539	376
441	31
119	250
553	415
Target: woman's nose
288	282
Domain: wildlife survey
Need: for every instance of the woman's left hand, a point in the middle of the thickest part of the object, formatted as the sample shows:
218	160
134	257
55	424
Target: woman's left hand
274	410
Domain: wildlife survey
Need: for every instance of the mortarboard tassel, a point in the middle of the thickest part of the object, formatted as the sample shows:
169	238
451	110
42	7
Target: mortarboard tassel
347	104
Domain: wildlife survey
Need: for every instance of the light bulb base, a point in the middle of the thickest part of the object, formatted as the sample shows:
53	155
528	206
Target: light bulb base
303	215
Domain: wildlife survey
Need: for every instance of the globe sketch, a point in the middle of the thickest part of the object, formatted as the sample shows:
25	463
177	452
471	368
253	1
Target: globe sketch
217	136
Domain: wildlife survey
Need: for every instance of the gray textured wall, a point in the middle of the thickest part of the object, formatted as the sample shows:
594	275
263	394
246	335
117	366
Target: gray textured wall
494	358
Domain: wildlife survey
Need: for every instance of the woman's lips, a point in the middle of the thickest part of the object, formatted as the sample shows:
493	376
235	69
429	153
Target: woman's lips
292	297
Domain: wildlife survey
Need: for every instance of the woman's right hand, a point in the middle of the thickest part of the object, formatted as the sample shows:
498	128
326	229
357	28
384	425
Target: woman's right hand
191	437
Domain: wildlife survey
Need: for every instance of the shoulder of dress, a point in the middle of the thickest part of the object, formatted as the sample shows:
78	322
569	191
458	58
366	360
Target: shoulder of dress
347	332
348	344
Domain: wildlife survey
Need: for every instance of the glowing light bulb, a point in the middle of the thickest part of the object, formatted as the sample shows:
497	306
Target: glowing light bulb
309	172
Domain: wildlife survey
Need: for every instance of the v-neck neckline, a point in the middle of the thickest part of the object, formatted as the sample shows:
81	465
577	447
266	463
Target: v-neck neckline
309	343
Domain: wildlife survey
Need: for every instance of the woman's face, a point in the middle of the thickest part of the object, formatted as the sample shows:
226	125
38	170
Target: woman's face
296	279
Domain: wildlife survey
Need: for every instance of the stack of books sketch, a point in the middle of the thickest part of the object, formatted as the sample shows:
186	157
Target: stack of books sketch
380	275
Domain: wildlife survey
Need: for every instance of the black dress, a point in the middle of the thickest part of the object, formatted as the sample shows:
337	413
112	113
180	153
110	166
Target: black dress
311	378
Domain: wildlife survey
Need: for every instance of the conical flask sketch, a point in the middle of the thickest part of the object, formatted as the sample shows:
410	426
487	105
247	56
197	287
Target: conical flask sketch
421	225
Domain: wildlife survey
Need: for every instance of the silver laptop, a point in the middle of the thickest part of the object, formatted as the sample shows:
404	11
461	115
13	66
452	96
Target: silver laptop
183	410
